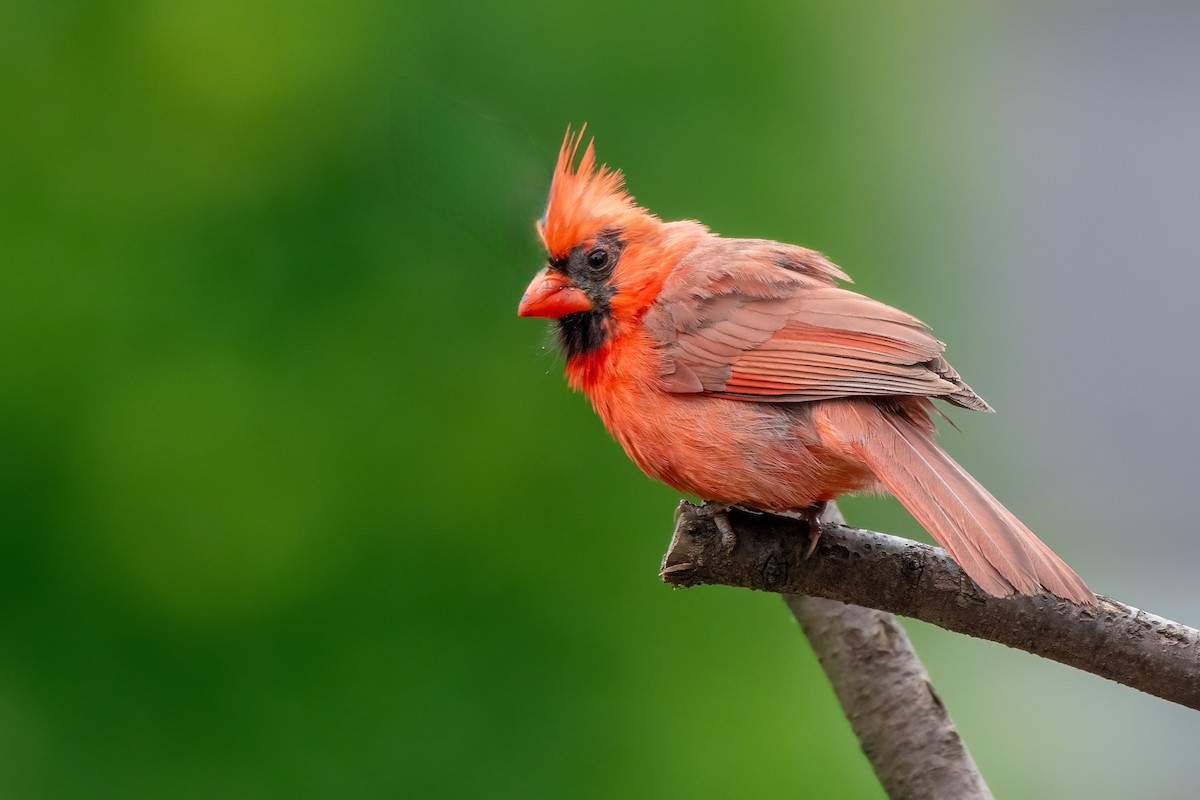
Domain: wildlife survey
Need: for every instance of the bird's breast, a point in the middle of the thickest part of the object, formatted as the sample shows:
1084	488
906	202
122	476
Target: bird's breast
765	455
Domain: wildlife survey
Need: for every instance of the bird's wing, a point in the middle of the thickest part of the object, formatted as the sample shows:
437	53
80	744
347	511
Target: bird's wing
756	329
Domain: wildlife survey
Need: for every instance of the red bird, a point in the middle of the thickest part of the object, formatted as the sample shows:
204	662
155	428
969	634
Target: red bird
739	371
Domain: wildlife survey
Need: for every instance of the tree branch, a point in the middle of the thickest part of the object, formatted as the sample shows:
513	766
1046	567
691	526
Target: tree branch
865	568
886	694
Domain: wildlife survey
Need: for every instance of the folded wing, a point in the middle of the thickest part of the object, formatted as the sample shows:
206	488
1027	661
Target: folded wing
757	329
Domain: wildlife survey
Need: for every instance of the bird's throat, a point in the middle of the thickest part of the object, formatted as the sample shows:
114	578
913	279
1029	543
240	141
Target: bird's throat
583	332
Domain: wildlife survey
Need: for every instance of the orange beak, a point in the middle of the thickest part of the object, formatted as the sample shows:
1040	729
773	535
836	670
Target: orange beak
552	295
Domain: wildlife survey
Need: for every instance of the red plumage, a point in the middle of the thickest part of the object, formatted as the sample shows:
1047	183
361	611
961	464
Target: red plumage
737	370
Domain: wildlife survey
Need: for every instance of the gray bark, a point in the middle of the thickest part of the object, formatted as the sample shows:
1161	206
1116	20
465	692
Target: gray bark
903	728
899	576
883	688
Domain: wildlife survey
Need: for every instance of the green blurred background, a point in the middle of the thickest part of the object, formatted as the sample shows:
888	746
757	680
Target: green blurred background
293	505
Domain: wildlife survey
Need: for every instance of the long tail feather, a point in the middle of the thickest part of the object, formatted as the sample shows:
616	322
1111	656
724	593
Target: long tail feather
994	547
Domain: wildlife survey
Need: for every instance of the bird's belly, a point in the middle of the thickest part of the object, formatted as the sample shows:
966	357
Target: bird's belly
769	456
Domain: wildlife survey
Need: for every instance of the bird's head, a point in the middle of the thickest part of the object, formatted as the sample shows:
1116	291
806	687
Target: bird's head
600	246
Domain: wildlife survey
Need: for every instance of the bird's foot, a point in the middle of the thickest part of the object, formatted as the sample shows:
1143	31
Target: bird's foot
811	515
720	518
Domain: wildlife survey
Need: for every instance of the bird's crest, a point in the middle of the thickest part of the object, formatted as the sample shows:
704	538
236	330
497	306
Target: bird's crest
583	200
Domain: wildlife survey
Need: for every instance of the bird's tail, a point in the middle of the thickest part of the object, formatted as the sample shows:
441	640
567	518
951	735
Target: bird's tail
994	547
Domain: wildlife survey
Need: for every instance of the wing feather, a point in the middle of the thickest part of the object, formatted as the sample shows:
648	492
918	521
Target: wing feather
743	323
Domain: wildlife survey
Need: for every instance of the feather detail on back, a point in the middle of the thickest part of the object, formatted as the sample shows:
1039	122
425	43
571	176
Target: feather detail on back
764	322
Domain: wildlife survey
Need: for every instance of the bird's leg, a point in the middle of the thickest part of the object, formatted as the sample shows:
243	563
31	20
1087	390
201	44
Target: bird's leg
814	526
720	518
811	515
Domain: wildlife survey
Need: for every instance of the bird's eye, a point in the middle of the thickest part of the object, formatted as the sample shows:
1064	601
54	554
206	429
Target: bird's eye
598	257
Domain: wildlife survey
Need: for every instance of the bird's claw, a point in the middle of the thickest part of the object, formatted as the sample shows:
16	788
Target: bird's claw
728	536
811	515
720	518
814	536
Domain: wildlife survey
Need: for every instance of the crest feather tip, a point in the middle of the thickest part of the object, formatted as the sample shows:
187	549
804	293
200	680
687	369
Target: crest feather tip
583	197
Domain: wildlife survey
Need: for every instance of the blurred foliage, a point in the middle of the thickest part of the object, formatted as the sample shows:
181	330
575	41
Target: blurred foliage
292	504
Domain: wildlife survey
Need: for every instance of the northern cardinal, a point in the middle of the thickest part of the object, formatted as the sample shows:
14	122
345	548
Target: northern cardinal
739	371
